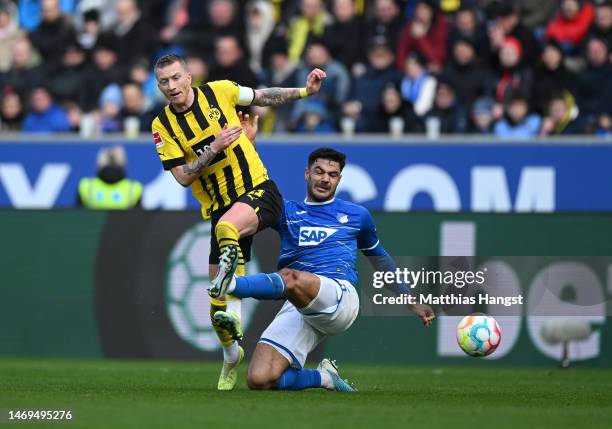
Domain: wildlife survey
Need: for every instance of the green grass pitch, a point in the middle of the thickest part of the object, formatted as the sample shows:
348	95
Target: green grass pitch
135	394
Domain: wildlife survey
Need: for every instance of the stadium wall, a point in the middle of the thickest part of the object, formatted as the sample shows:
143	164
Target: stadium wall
446	175
133	285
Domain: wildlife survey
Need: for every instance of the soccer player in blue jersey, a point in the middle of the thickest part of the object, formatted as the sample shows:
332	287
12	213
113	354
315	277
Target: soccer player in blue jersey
320	237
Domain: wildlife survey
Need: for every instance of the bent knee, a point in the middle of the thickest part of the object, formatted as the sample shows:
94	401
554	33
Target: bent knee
261	380
291	278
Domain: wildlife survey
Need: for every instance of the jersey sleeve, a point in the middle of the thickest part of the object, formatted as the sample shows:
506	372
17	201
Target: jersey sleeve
169	151
367	240
228	89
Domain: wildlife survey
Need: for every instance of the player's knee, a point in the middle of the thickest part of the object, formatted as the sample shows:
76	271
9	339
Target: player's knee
291	278
261	380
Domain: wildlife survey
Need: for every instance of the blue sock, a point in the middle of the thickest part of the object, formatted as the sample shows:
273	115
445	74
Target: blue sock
259	286
299	379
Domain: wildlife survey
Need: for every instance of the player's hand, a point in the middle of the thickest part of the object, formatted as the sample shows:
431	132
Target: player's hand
424	312
249	128
313	81
226	137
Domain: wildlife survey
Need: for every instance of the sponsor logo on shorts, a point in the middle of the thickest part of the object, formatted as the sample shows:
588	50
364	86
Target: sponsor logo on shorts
314	235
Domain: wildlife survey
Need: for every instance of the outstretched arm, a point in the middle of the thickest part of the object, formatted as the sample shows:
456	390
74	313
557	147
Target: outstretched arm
278	96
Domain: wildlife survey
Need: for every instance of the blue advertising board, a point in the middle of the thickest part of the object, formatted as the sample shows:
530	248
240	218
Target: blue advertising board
381	175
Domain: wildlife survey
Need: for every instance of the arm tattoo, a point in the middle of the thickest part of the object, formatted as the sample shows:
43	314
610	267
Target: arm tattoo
275	96
200	162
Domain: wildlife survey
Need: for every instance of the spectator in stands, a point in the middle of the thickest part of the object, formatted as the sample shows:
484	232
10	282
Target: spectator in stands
315	118
602	26
110	189
363	103
27	69
88	35
279	72
11	111
224	19
53	34
513	74
466	26
190	26
386	23
10	33
562	118
44	116
260	25
198	69
448	109
131	35
571	24
110	104
471	77
230	63
603	127
103	71
425	33
418	87
310	23
142	74
67	82
30	16
507	23
345	38
593	85
536	14
136	106
336	86
551	76
482	116
517	121
392	106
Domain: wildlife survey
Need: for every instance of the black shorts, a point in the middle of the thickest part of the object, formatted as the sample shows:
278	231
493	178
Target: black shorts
267	202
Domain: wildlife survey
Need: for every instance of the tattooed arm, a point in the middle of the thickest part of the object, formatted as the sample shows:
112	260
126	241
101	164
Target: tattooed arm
278	96
188	173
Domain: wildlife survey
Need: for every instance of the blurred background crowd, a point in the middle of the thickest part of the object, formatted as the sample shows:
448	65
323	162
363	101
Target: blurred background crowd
510	68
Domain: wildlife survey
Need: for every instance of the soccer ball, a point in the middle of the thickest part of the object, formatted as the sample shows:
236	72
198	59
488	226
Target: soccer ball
478	334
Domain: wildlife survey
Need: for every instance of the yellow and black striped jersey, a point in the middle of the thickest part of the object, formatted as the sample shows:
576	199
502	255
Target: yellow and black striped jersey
180	136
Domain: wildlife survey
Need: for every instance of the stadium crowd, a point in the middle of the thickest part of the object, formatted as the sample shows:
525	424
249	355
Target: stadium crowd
510	68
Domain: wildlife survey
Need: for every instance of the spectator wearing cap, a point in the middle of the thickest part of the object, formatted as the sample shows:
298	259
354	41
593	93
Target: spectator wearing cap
109	108
593	85
385	23
448	109
315	118
550	77
110	189
425	33
90	31
513	75
45	116
335	88
363	103
53	34
517	122
103	71
10	33
309	23
467	26
27	69
471	77
345	37
11	111
418	87
507	23
67	81
562	118
602	26
571	24
482	116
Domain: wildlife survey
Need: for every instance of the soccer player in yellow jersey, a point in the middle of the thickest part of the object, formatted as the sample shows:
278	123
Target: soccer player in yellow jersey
199	138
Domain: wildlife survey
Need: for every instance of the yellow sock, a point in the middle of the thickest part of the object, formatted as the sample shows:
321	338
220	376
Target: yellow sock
224	336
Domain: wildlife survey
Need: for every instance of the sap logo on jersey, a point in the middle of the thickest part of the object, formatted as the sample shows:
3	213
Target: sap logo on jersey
313	235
